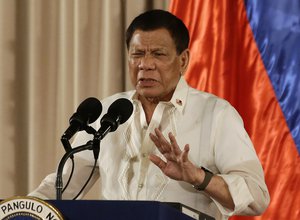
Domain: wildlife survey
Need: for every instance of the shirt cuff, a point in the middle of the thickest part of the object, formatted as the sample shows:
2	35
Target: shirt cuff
239	192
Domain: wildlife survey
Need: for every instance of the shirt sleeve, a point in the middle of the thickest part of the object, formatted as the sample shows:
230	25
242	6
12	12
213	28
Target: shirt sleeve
239	165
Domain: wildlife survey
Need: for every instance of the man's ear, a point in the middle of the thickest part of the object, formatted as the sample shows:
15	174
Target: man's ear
184	60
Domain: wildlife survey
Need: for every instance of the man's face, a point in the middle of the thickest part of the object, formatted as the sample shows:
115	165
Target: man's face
154	65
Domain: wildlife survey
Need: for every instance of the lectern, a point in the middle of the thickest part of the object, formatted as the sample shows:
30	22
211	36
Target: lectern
119	210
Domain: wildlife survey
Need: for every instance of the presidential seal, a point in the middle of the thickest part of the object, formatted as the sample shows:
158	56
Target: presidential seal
26	207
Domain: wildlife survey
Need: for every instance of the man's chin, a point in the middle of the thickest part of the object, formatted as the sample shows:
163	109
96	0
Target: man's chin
148	95
150	92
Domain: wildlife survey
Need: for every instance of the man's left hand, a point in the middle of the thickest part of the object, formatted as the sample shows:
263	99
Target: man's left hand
176	165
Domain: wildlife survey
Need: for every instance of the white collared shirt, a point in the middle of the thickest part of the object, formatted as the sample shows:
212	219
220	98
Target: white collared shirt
217	139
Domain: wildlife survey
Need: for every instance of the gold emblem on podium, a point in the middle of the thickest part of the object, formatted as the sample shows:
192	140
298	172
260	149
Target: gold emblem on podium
29	208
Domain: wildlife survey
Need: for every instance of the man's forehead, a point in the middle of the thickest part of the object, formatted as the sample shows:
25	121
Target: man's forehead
162	31
159	39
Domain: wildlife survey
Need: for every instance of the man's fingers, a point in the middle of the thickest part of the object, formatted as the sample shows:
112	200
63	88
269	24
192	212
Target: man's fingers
157	161
184	156
175	147
169	149
160	141
154	139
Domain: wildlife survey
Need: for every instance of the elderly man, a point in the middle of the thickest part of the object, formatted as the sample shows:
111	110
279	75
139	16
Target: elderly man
180	144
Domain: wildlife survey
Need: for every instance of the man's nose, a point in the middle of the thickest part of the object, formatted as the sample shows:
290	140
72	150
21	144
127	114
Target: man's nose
147	63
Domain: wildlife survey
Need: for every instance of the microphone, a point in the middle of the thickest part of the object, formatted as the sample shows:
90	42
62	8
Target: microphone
118	113
87	112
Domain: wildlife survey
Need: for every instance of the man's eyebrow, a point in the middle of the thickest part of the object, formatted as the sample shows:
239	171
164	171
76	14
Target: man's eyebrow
151	49
158	48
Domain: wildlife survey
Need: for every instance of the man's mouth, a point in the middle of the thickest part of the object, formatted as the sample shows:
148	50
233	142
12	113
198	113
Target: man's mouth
147	79
147	82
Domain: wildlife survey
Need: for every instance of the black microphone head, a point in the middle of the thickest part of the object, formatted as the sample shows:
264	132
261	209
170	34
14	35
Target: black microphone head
87	112
122	108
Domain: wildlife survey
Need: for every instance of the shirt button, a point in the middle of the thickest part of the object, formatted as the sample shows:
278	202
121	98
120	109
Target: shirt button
144	155
141	185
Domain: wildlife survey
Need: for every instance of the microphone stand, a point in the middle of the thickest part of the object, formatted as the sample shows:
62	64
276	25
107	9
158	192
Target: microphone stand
90	145
59	182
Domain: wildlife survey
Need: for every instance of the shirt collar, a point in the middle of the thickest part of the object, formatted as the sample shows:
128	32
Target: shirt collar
179	97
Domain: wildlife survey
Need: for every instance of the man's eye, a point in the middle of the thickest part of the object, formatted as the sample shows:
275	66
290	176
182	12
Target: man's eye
137	54
159	54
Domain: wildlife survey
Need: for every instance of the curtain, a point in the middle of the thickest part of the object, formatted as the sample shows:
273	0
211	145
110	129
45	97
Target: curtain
53	55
